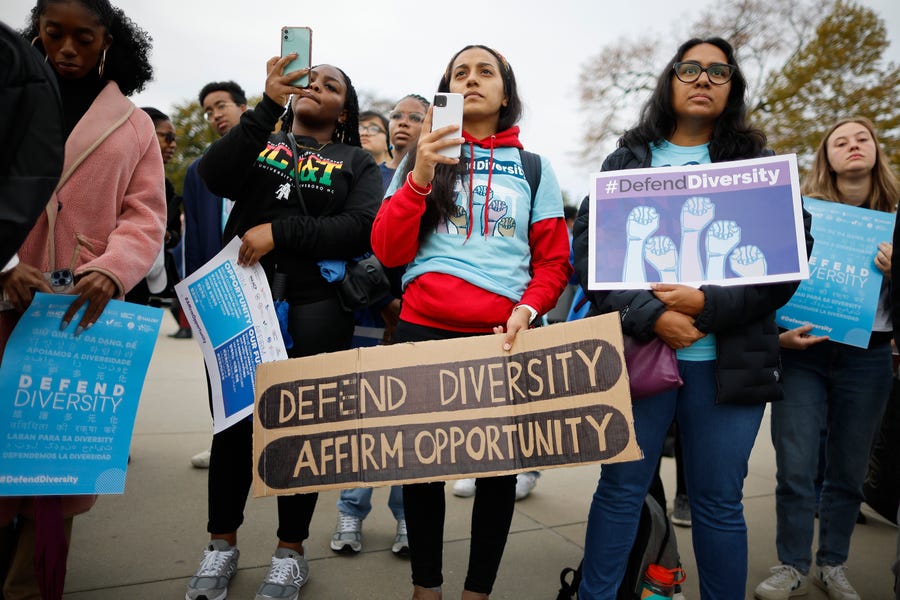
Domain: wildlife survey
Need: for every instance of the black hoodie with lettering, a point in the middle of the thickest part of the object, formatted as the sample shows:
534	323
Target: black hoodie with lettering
341	193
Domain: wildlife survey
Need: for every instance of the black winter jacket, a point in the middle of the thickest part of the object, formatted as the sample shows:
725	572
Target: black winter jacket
31	127
748	363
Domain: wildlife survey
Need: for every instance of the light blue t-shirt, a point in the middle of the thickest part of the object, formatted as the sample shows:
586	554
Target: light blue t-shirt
667	154
490	248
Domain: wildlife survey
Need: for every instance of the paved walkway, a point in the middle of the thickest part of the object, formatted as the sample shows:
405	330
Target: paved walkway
147	543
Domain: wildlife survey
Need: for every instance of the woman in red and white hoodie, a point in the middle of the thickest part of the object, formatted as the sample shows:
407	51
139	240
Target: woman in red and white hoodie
485	255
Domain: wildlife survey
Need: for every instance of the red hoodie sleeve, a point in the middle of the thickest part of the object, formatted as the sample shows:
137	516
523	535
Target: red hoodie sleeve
550	267
395	233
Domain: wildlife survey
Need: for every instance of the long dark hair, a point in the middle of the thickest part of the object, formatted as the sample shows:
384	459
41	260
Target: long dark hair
344	133
732	137
442	198
127	59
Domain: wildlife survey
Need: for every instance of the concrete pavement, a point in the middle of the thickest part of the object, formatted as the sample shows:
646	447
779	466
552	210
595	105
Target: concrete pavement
147	543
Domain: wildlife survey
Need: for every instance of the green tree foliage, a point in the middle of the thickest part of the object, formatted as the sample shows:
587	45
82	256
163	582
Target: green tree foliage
840	72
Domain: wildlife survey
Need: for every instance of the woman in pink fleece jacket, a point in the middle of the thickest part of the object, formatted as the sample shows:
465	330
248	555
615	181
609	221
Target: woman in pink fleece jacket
101	229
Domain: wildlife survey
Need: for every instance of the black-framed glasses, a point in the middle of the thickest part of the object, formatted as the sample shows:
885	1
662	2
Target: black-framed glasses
690	71
412	117
370	129
168	136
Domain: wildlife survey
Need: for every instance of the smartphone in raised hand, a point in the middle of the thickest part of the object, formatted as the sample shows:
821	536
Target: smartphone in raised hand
299	40
448	110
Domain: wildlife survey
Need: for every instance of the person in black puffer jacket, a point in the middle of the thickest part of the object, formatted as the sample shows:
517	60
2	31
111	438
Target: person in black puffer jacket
726	339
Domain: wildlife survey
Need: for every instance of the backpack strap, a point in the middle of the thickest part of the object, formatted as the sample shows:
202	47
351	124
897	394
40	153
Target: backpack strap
531	164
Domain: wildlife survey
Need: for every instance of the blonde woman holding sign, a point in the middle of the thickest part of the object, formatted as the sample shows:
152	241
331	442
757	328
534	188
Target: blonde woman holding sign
831	387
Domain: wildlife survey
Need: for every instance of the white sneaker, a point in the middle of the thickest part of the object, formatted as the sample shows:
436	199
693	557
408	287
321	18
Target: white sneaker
287	574
401	540
218	566
201	460
464	488
833	580
525	482
347	534
784	582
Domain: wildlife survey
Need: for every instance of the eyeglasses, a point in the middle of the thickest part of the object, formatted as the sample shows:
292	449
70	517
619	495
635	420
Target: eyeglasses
370	130
168	136
411	117
690	71
217	108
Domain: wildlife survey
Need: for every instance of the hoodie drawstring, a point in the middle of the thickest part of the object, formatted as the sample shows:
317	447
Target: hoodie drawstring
470	191
487	192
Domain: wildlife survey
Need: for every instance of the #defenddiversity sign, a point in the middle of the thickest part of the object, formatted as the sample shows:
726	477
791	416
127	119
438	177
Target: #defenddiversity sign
438	410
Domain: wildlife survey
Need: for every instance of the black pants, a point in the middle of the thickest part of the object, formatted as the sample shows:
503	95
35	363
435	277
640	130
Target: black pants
424	507
317	327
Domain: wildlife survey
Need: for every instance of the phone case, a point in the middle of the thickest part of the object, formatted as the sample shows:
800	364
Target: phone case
299	40
448	110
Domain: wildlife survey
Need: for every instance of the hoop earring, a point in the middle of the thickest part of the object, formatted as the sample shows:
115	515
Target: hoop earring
102	64
34	43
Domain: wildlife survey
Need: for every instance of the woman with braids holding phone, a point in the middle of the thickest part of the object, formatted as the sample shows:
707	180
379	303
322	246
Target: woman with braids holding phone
302	195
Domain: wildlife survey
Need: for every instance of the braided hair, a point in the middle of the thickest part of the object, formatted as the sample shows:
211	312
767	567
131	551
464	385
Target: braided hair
417	98
346	132
127	59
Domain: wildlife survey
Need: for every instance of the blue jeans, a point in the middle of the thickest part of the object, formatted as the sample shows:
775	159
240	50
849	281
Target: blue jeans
358	502
843	390
717	439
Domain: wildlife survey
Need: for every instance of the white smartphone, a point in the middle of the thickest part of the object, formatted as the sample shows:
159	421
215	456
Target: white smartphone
299	40
448	110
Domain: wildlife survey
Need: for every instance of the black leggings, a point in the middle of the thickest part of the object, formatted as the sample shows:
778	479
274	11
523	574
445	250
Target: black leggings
424	507
316	327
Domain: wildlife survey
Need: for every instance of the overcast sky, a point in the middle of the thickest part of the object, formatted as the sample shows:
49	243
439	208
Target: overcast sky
390	48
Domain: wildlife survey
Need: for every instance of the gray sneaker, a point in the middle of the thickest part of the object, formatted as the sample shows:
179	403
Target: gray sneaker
401	540
287	574
681	511
347	534
218	566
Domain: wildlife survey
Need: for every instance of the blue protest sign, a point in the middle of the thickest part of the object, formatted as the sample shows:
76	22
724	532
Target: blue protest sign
68	404
841	295
235	323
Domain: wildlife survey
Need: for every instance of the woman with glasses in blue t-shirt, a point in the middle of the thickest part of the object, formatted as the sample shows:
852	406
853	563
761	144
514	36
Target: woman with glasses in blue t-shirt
725	337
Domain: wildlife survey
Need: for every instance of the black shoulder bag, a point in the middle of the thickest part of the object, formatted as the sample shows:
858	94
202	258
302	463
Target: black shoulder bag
365	281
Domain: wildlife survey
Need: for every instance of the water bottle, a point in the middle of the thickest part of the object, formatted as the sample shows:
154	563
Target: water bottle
659	582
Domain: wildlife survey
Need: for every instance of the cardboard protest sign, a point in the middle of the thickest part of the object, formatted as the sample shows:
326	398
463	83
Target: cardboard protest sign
727	223
429	411
840	298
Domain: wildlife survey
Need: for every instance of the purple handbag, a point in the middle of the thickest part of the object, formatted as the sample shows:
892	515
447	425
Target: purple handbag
652	367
